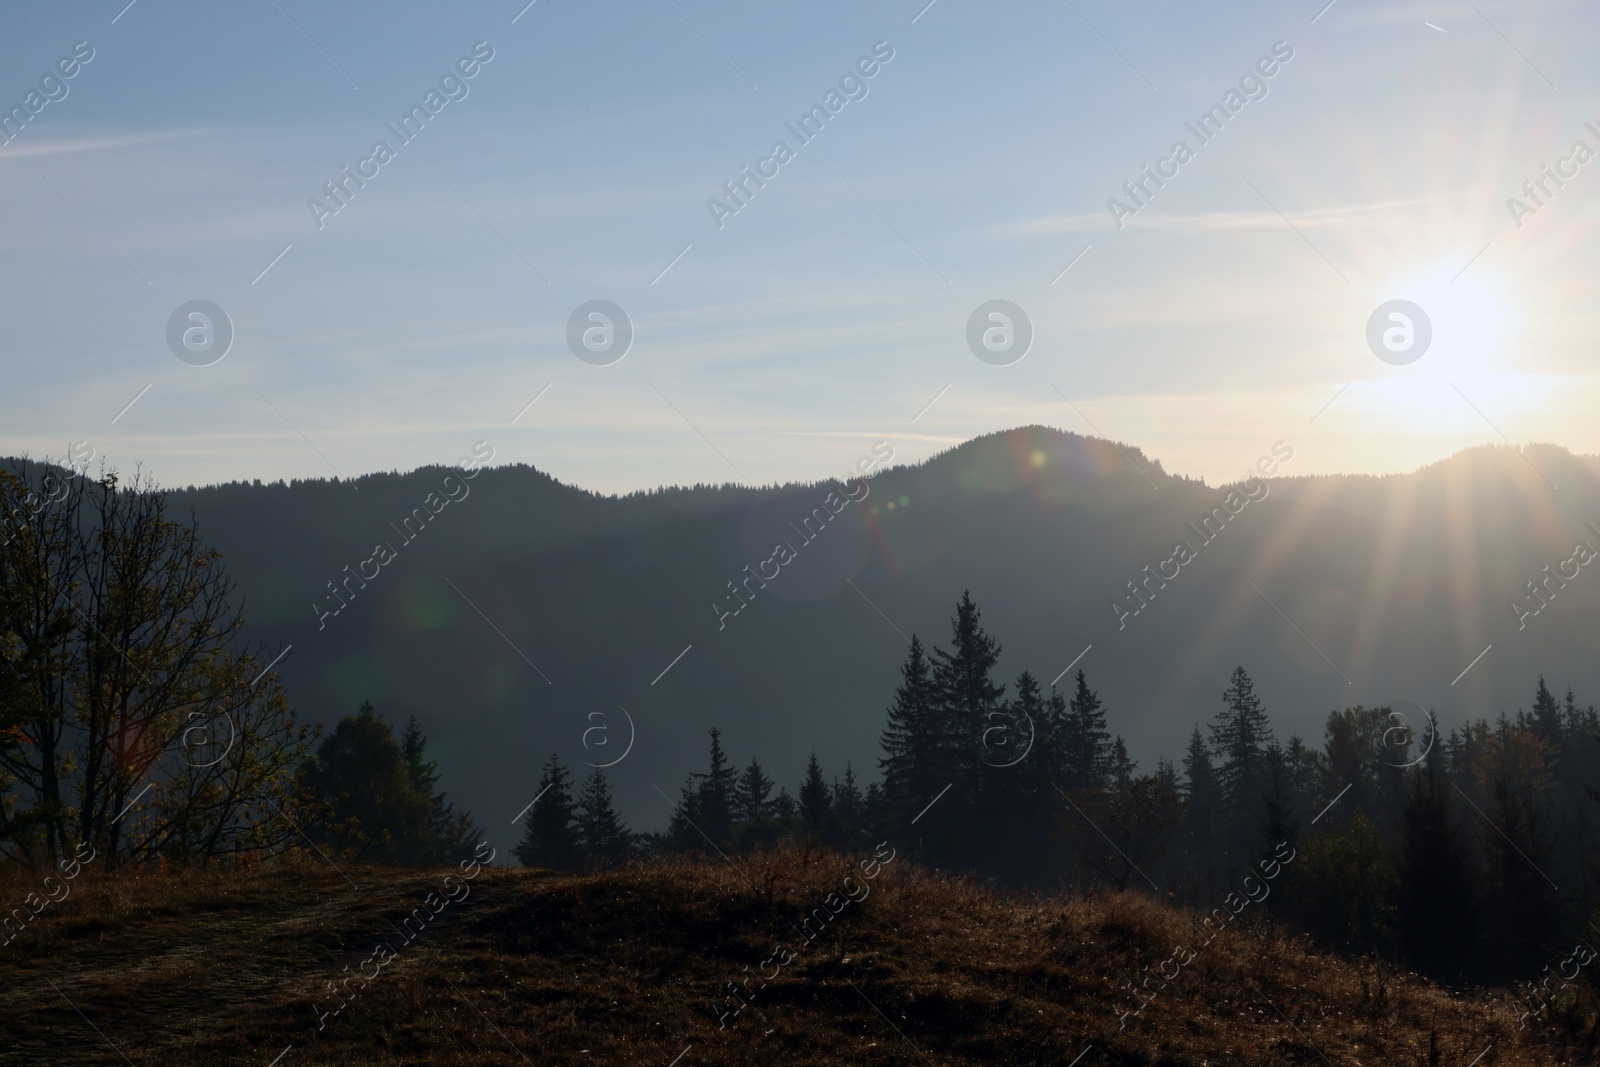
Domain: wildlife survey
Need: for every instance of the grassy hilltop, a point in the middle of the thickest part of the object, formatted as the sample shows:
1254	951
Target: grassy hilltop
624	967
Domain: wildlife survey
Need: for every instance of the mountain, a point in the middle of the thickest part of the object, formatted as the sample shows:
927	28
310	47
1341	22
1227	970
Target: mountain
528	616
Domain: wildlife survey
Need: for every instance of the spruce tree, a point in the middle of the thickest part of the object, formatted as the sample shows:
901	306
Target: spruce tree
1201	792
716	794
424	772
452	835
911	742
1167	777
1240	737
965	695
784	809
1278	819
604	836
848	808
683	829
1033	728
1546	715
816	805
752	793
1085	744
1436	905
1119	769
550	836
967	702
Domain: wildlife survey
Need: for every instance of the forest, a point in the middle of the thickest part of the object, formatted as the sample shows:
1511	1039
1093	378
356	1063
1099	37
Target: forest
1468	857
137	726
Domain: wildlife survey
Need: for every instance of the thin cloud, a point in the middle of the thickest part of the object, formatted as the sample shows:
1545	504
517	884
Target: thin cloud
71	146
1215	221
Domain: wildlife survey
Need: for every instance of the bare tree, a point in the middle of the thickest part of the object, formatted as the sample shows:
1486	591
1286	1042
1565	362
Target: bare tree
120	645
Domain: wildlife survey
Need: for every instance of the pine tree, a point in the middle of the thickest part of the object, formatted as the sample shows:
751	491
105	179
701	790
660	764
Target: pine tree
752	793
784	809
1436	905
1278	820
424	772
965	694
911	742
452	836
1523	904
1546	715
1201	791
683	830
550	836
1120	768
848	808
1167	777
1085	744
1033	729
604	836
716	794
816	805
1240	737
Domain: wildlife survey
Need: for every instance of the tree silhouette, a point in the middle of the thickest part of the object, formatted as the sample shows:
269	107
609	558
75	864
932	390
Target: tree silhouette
362	777
604	837
816	805
550	836
753	792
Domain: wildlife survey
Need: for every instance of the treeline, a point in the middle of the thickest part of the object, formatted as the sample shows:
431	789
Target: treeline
1471	857
722	809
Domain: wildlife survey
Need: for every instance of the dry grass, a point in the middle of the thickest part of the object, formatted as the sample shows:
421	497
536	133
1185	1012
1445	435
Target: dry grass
223	968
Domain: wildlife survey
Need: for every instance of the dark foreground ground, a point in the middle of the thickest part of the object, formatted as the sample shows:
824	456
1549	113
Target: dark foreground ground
626	968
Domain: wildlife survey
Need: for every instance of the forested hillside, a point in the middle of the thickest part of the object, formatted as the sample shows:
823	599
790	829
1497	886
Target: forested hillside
531	617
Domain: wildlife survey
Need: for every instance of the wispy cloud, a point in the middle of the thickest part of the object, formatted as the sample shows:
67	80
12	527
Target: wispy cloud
62	146
1342	217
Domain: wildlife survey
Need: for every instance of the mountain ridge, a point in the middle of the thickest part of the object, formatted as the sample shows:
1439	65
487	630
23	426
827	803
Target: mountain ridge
531	612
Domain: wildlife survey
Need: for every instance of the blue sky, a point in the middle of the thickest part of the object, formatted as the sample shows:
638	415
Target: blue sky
830	310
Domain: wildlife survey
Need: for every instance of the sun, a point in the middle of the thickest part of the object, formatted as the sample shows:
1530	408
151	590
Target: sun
1475	351
1474	322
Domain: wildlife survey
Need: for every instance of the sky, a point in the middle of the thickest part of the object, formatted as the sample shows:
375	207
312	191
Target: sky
1225	309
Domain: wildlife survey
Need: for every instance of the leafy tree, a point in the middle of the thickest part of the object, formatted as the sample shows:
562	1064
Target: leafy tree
1342	886
604	837
1366	749
123	650
362	778
550	836
1117	835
